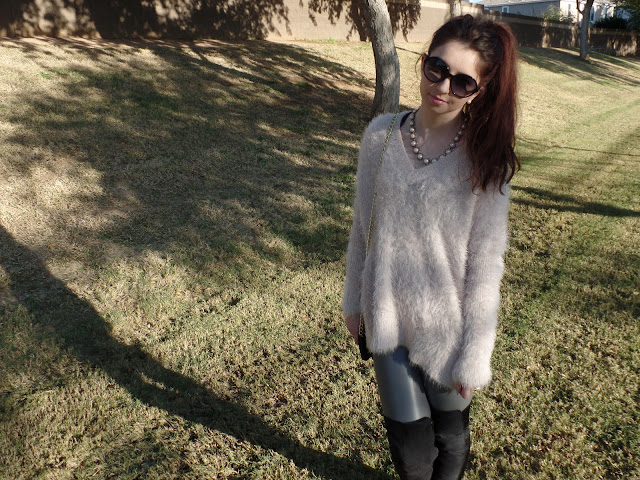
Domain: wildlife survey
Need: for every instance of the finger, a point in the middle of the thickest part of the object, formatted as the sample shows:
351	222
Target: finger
354	334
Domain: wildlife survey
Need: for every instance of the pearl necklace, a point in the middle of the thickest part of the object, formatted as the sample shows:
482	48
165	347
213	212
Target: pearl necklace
414	143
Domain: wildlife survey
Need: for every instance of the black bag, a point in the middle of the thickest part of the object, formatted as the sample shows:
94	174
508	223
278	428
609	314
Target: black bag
362	342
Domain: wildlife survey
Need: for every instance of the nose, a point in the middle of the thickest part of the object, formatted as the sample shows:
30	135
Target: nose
444	85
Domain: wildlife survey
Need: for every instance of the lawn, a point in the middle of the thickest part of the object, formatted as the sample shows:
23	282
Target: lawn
173	226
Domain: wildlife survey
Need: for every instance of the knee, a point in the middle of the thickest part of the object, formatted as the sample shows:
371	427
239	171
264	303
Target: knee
452	429
412	448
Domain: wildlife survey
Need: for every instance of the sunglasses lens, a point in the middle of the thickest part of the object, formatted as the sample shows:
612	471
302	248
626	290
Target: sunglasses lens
463	85
435	69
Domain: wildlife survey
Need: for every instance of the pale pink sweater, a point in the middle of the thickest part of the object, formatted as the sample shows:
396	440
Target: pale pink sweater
431	280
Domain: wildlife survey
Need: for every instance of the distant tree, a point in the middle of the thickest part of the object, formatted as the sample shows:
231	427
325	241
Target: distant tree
634	21
584	28
555	13
632	7
629	5
455	8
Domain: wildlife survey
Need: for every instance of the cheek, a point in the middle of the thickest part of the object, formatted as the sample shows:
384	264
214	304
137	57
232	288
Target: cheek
424	87
424	83
458	104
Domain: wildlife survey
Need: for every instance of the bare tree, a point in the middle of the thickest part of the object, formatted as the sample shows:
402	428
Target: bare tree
387	96
455	8
584	28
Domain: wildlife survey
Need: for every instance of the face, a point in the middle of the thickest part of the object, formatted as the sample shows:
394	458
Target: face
437	97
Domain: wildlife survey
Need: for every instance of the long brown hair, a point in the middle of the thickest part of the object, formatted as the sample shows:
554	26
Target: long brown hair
491	119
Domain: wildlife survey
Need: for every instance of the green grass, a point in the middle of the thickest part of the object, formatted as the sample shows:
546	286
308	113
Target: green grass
174	220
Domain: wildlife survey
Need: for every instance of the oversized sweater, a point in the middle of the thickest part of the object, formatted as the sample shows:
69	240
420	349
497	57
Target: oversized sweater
431	279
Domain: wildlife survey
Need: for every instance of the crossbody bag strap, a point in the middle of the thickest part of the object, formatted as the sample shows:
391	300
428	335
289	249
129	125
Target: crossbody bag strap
373	202
375	187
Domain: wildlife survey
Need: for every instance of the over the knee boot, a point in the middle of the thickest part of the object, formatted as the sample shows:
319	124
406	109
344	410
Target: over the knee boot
453	440
412	448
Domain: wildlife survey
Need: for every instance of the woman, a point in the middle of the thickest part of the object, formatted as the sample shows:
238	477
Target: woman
424	270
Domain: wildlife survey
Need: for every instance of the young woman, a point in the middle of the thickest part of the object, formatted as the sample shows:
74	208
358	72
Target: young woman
424	270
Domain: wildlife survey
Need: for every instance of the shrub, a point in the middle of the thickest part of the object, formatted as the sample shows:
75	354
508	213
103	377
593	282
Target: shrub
615	23
555	13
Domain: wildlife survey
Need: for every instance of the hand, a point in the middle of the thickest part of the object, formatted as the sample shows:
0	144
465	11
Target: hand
353	325
464	391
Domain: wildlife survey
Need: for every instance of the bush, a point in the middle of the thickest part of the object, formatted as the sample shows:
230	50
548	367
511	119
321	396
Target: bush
555	13
634	20
615	23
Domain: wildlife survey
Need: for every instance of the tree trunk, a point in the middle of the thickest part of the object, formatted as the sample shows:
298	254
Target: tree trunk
584	30
387	96
455	8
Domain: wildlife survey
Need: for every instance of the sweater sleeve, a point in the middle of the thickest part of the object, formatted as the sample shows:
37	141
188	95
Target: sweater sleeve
485	266
356	253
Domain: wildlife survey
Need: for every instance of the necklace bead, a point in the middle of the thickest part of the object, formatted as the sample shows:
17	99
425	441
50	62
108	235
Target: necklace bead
416	148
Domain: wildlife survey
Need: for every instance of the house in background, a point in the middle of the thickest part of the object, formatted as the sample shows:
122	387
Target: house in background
537	8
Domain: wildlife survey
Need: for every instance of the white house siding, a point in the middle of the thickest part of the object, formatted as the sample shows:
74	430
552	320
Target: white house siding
599	10
530	9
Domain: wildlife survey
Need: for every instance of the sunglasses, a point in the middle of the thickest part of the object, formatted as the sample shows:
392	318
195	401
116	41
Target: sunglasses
460	85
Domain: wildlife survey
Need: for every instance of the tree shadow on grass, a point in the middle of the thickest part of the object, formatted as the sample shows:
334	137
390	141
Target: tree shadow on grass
222	156
221	145
566	203
568	62
81	330
548	147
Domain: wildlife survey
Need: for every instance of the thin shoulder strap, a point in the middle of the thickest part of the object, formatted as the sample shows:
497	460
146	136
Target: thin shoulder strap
375	188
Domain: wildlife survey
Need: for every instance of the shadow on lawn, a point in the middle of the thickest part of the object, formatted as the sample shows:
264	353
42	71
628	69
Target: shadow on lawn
568	62
222	154
547	147
565	203
79	328
220	147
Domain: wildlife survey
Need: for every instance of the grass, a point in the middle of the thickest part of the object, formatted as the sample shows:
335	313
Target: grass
174	219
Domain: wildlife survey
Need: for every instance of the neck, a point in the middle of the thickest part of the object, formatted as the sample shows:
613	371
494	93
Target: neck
437	124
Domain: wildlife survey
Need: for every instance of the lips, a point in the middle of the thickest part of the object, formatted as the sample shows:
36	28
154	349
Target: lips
437	100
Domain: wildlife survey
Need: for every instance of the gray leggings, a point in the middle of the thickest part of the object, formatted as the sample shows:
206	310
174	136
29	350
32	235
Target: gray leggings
407	394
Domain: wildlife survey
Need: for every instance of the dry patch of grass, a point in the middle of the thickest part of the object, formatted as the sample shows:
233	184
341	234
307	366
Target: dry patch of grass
173	229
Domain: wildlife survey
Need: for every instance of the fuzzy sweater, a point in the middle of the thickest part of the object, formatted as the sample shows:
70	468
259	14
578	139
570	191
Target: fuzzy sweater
431	280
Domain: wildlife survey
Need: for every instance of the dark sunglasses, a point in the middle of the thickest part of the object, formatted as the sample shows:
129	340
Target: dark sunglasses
460	85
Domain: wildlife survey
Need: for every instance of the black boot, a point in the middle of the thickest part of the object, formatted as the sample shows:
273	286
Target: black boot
453	441
412	448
